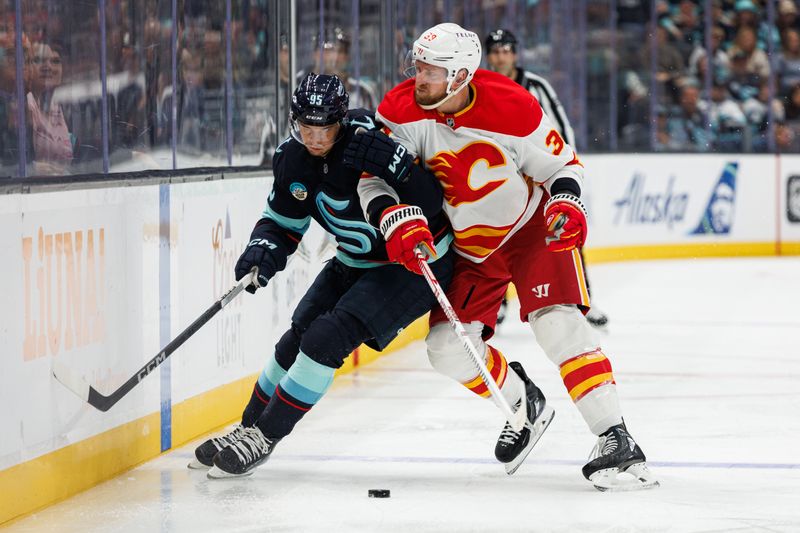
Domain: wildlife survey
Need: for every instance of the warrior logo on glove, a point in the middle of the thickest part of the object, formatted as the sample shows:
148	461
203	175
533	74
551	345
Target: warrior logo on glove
405	230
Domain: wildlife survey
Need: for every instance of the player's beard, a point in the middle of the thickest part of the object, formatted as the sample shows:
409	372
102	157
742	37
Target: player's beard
426	97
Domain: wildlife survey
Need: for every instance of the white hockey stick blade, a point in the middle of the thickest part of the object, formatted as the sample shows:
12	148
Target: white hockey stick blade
537	430
635	477
71	380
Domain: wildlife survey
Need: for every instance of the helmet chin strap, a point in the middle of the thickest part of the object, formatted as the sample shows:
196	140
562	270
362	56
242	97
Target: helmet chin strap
450	94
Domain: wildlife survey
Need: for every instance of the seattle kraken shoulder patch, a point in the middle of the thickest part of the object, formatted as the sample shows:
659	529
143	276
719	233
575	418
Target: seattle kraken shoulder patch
298	190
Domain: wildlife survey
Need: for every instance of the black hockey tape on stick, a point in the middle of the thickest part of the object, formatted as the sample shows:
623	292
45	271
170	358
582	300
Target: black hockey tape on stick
87	393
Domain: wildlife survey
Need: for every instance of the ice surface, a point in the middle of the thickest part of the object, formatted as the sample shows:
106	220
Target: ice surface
707	361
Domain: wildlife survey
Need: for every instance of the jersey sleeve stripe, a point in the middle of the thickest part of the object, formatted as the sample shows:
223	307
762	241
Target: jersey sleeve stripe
297	225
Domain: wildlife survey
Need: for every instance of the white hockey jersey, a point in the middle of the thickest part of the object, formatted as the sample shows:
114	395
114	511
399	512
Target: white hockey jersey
493	158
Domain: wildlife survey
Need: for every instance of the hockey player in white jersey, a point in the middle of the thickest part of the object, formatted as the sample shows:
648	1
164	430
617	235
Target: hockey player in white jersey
501	56
512	188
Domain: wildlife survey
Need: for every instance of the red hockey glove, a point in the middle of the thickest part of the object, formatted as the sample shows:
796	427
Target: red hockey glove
405	228
565	217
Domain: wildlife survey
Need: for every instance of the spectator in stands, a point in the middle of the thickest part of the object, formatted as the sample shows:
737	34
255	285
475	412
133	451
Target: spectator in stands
757	60
743	82
757	111
727	121
9	133
664	143
53	143
127	102
793	105
688	24
787	139
721	62
634	110
788	62
787	16
334	58
687	126
724	18
669	65
748	15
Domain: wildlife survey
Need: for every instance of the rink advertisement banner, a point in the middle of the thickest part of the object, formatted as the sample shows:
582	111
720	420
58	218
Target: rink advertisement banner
83	286
789	197
679	206
77	264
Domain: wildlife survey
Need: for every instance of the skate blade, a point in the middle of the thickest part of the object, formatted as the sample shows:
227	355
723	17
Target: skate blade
197	465
217	473
635	477
537	430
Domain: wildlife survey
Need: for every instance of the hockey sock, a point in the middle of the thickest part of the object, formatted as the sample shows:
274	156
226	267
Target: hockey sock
509	382
262	391
590	382
254	408
297	392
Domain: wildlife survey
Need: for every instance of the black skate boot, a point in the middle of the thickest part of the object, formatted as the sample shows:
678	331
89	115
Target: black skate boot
243	455
204	454
618	463
512	446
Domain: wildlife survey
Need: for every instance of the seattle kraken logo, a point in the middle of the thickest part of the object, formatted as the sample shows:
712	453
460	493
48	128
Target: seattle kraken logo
298	190
718	216
345	228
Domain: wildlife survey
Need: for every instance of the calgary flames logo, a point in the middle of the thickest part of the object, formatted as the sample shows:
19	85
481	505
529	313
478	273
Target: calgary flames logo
454	171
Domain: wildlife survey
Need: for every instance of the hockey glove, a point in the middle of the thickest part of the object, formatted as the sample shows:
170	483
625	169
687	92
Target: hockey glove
377	154
565	217
256	254
405	228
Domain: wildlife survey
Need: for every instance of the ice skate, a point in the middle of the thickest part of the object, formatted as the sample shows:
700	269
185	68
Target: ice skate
597	318
512	446
617	463
243	455
204	454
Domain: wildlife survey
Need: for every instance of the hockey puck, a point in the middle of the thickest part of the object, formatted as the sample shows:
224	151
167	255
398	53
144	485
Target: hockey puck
378	493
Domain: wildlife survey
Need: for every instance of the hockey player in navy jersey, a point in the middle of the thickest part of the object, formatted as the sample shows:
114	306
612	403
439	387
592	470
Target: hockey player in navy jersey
366	294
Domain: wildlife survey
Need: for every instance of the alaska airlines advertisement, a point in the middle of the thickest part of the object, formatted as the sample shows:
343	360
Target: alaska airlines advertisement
637	200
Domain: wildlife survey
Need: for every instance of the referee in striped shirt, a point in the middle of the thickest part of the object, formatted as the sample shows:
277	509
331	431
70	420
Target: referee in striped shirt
501	54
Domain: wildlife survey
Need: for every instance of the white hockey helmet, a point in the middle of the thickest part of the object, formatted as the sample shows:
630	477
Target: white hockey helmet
450	46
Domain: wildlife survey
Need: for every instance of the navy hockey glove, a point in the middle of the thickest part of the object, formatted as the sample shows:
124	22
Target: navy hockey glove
258	254
377	154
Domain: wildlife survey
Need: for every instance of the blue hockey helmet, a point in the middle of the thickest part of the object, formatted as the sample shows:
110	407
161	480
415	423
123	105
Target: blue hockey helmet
319	100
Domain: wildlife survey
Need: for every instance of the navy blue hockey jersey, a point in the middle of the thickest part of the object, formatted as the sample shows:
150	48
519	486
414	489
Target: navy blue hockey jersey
324	189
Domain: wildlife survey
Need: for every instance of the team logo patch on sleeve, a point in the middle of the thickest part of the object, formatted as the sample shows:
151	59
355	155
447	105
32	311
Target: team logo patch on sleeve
298	190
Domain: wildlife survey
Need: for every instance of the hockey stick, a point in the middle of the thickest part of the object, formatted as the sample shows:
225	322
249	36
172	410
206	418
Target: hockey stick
89	394
516	419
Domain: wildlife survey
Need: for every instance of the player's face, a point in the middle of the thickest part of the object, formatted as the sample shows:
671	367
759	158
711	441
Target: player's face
318	139
502	59
430	83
